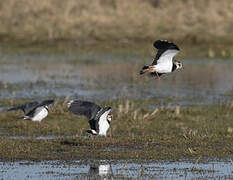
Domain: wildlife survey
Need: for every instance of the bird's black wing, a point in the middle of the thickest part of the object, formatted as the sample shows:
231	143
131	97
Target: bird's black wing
154	74
26	108
46	102
163	46
85	108
43	103
94	125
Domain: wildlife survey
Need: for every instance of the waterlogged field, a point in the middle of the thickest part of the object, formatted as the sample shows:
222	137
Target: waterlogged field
185	115
109	76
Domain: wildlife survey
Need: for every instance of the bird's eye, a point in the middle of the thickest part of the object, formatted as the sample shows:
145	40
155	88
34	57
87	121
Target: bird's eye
109	117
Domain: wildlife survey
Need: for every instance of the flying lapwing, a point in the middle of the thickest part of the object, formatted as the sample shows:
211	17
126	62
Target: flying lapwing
34	111
163	62
98	118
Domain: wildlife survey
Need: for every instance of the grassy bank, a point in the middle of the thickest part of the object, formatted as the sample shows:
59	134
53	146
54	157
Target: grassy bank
136	131
223	50
119	20
197	26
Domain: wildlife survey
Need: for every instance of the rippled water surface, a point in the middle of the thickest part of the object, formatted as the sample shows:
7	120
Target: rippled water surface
111	76
116	170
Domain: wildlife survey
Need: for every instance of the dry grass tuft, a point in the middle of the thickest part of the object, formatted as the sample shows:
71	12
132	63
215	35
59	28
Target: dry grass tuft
116	19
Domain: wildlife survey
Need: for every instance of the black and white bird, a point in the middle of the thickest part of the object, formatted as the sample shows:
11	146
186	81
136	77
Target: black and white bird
98	118
163	62
34	111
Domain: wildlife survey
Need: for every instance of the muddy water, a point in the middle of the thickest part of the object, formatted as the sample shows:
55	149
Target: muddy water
111	76
116	170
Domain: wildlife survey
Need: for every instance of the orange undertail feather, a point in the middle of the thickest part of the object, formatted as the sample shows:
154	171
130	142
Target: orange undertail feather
147	69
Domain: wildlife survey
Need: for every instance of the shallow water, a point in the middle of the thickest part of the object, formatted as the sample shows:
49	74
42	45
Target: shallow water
112	76
222	169
48	137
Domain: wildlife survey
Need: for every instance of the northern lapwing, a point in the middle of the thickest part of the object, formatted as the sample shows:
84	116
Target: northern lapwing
163	62
34	111
98	118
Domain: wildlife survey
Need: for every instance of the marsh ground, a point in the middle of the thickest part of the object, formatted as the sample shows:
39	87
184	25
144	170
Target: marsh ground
186	114
137	132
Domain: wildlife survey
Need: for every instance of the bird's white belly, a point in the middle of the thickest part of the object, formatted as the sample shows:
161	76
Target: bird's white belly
103	128
163	68
41	115
104	169
103	123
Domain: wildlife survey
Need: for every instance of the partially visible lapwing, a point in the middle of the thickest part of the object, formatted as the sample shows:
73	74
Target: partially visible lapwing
98	118
163	62
34	111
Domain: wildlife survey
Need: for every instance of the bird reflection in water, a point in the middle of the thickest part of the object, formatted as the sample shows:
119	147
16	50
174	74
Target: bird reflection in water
103	171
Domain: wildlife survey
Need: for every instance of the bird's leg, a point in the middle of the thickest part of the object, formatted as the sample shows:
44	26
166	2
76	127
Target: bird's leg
43	124
109	138
37	125
157	75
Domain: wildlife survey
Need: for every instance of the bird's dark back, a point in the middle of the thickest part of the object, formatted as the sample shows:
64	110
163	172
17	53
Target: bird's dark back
85	108
26	108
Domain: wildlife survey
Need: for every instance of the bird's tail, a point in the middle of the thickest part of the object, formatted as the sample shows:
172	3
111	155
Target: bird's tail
146	69
24	117
14	108
92	131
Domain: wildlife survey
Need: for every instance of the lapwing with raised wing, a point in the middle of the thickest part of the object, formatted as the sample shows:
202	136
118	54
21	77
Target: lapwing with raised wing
163	62
99	118
34	111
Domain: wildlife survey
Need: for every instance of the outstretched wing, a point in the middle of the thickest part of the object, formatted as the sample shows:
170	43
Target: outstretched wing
43	103
166	51
46	102
85	108
103	123
26	108
94	124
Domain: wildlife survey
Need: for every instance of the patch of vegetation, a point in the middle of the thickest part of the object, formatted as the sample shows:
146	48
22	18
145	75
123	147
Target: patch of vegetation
61	26
137	132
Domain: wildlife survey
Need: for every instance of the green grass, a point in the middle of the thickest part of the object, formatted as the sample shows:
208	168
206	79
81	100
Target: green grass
219	49
136	131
